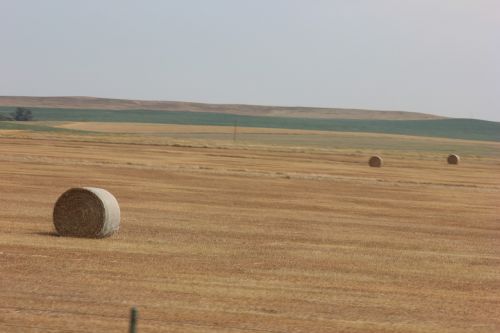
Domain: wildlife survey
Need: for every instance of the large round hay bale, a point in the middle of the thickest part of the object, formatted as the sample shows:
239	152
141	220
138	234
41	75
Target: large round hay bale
375	161
86	212
453	159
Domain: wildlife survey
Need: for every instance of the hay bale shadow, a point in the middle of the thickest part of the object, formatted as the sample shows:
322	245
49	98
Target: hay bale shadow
47	233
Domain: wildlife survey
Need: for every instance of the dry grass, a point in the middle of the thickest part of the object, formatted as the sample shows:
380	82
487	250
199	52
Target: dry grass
375	161
86	212
250	239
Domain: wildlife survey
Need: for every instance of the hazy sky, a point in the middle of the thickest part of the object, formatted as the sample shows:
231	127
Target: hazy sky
433	56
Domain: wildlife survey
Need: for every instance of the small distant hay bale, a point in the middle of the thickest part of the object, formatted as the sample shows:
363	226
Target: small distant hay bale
375	162
86	212
453	159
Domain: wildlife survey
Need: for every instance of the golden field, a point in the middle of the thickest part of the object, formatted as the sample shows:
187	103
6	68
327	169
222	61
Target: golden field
278	231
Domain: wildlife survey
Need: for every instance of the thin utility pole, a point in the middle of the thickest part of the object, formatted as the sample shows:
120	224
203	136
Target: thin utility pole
235	130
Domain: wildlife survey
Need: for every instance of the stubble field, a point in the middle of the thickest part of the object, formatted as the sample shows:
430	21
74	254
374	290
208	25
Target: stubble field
253	236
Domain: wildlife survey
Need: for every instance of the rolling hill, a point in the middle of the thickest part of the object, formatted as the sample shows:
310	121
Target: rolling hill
89	109
237	109
469	129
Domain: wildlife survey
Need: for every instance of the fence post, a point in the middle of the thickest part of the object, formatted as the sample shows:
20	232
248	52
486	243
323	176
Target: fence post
133	320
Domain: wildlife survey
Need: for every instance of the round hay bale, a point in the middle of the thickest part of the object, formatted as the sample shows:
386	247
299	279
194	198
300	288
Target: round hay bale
375	161
86	212
453	159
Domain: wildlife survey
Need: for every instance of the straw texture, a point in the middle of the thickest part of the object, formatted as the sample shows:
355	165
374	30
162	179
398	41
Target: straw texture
375	161
86	212
453	159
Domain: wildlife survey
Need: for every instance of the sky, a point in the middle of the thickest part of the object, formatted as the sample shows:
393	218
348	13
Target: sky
440	57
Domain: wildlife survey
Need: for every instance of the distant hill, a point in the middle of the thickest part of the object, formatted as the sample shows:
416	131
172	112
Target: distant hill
236	109
470	129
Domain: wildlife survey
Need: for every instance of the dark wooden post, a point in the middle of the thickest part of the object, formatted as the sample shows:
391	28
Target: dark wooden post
133	320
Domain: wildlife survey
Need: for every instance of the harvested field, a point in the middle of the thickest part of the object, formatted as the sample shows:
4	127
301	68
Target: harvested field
255	236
